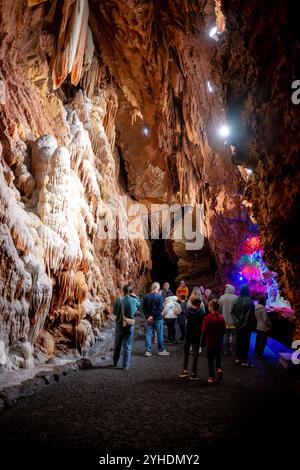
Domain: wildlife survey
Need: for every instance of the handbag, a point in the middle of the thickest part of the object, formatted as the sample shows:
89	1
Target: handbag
126	321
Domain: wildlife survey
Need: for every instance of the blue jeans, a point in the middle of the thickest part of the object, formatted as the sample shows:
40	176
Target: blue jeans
123	337
229	341
157	326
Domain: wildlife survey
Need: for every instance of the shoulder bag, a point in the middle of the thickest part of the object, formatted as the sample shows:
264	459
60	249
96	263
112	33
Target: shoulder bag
125	321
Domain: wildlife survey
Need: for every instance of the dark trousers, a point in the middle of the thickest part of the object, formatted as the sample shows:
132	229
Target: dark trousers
181	323
243	336
261	342
170	322
214	359
195	352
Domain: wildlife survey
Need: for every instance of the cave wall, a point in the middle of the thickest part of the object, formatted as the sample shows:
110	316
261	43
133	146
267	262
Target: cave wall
79	82
161	57
58	185
259	58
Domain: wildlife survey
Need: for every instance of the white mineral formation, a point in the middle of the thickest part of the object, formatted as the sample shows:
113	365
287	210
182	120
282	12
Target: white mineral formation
2	353
56	277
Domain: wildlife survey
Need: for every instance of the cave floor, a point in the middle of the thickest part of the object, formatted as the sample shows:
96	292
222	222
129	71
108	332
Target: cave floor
150	409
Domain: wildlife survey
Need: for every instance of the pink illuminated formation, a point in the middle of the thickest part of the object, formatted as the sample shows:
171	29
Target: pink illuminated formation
254	271
253	244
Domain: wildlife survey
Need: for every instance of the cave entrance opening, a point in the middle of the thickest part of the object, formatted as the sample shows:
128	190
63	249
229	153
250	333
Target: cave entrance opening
164	264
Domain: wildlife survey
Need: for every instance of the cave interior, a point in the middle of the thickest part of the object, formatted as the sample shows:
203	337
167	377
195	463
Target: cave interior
147	102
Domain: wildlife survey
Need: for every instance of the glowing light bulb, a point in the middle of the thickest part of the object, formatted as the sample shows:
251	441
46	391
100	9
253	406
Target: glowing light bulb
213	32
210	88
146	131
241	278
224	131
249	171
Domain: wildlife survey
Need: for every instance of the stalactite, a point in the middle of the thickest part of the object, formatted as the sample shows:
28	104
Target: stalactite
91	79
74	47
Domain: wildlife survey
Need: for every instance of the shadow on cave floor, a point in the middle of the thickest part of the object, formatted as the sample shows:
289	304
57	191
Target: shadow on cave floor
150	409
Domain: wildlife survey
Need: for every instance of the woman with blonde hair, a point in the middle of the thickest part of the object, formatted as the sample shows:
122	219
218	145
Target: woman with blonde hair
196	294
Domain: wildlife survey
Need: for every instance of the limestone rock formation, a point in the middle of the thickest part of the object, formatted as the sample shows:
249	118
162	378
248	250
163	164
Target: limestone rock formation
105	100
259	63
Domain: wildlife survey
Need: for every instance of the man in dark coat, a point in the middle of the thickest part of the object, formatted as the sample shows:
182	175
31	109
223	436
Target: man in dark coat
153	305
244	320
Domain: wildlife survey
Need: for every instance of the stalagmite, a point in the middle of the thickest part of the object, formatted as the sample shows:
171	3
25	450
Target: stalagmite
42	150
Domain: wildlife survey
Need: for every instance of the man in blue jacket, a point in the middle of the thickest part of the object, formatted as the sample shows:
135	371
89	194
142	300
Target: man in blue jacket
153	305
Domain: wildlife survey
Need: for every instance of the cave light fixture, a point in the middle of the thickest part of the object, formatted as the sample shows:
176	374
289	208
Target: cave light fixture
224	130
209	86
146	131
213	33
249	171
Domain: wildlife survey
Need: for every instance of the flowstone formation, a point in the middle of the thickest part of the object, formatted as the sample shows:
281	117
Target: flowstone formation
58	187
57	274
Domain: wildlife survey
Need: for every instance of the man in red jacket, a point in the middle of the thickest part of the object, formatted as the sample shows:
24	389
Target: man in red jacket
213	330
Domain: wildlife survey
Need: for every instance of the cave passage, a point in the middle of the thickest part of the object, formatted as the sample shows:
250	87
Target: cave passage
121	120
164	269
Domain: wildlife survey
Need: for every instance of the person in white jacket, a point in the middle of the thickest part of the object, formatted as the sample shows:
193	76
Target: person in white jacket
226	302
170	313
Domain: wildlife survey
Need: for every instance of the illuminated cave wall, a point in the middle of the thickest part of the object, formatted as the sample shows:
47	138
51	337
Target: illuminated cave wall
258	59
79	84
58	185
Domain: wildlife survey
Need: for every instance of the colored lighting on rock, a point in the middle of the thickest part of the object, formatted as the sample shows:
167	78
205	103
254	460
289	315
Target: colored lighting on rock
254	271
253	244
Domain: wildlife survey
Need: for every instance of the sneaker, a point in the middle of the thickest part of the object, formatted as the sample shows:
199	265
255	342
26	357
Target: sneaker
184	374
164	353
219	375
148	353
211	380
194	377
